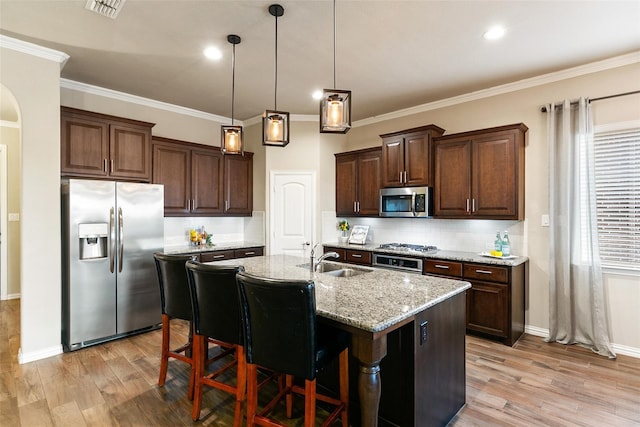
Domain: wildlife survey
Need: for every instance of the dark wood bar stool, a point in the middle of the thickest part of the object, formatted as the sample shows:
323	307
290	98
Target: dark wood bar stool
281	333
216	318
176	304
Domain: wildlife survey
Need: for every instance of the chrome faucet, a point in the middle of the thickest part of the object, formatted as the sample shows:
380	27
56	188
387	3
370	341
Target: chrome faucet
313	264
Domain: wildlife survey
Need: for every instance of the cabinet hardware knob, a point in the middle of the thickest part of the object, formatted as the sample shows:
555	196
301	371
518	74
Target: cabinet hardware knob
483	272
218	256
467	205
356	255
445	267
250	253
473	205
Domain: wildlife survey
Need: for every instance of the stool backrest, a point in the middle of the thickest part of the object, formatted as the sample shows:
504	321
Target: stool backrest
214	297
174	285
279	320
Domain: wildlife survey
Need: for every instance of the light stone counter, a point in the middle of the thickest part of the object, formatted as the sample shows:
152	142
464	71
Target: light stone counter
372	301
223	246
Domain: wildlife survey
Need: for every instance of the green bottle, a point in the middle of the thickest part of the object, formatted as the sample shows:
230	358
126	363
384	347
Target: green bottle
497	245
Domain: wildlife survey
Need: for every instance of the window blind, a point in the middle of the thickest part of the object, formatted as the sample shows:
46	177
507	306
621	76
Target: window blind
617	175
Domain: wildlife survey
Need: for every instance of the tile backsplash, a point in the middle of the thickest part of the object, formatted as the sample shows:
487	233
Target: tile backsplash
455	235
223	229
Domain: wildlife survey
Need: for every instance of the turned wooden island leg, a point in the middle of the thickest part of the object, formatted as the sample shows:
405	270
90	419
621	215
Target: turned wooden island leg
369	350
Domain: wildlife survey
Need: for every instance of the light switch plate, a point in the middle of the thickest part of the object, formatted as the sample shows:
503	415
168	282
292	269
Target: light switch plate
545	220
14	217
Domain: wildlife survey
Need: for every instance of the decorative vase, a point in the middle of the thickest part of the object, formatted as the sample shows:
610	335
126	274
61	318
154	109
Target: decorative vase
344	237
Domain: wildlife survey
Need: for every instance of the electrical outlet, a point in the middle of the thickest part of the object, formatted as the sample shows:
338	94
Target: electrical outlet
423	332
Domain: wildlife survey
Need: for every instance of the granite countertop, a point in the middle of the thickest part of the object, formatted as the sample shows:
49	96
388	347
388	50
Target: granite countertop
373	301
222	246
439	254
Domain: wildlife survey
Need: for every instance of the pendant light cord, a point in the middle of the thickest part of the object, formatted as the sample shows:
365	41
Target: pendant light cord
275	92
233	80
334	44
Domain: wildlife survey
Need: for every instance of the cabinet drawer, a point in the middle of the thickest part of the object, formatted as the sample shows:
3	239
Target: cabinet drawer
486	272
341	252
358	257
249	252
446	268
216	256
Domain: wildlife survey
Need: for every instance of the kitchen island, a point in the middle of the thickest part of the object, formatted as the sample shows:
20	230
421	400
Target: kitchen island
423	316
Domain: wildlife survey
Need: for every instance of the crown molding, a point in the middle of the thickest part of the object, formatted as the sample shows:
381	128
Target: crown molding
594	67
134	99
34	50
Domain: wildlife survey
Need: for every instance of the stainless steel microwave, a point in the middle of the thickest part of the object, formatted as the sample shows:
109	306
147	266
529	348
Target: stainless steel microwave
406	202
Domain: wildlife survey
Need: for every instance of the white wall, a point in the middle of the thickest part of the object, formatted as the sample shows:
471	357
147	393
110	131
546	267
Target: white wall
35	83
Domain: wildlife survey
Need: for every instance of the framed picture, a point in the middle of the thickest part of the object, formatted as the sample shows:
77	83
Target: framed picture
359	234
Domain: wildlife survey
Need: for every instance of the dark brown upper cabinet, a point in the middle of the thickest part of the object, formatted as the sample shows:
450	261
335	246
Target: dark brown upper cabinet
407	157
480	174
358	176
94	145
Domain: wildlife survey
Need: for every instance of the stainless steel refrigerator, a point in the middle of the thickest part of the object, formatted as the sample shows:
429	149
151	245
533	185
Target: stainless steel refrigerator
109	233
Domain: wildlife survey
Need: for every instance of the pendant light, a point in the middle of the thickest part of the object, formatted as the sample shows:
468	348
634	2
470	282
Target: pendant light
232	135
335	105
275	124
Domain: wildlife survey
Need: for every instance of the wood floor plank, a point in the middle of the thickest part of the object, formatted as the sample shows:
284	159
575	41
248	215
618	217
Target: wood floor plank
114	384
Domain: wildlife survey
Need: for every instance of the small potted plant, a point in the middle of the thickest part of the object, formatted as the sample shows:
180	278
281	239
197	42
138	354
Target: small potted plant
344	227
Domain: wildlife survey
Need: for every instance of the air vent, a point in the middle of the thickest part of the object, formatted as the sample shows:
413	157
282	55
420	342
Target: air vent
108	8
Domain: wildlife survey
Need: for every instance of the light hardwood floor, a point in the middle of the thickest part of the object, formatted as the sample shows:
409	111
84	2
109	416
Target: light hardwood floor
531	384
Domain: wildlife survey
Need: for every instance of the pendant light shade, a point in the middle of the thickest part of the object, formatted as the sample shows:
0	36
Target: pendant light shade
275	124
231	140
335	104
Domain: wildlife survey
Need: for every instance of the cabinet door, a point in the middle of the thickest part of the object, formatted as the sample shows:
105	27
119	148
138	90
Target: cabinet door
130	152
494	177
452	179
369	174
171	167
487	308
346	184
207	172
392	161
238	184
84	146
418	159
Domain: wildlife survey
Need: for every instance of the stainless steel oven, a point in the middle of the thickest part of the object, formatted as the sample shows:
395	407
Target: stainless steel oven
396	262
406	202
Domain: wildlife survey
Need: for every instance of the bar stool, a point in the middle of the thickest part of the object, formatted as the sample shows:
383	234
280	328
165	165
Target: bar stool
176	304
281	333
216	316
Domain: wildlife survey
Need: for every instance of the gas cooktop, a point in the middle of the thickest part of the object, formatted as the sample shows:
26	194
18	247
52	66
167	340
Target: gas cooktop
408	247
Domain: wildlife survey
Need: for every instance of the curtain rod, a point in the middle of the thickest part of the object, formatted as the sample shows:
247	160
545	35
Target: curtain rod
544	109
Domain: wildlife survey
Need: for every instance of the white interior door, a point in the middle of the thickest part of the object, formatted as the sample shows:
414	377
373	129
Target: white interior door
292	212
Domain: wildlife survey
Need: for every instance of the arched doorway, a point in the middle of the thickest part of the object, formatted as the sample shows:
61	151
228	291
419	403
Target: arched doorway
10	187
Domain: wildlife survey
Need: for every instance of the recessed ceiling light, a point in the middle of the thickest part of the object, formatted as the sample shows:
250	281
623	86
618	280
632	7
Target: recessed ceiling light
213	53
495	33
317	94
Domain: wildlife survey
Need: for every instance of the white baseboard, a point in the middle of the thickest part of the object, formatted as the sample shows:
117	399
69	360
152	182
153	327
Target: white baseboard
37	355
13	296
618	348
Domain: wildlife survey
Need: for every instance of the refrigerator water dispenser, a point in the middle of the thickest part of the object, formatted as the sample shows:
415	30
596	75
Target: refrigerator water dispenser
93	240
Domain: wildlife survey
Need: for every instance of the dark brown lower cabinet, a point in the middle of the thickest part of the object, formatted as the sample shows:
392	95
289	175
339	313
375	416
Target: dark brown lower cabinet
423	379
352	256
231	254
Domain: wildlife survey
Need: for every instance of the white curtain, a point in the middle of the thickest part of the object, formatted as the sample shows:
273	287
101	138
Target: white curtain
577	312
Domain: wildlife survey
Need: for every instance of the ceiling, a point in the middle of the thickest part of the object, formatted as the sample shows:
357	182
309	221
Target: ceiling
390	54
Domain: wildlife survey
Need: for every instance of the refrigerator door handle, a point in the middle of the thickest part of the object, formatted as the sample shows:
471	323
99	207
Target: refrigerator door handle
120	241
112	236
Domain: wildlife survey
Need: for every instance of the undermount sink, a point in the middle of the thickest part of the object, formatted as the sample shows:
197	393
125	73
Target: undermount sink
338	270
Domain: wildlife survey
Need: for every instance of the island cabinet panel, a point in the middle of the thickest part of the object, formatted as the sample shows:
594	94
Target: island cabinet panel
407	157
424	370
480	174
199	181
210	256
94	145
358	175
